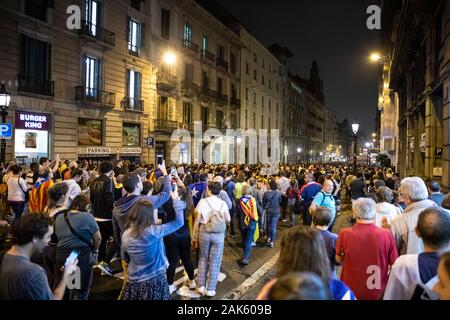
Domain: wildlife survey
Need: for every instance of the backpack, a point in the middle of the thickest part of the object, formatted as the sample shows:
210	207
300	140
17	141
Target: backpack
216	222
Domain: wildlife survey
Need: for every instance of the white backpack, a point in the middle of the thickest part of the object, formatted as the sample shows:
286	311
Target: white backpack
216	222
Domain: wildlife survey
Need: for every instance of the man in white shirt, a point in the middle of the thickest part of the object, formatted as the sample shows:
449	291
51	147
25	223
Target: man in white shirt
413	276
74	187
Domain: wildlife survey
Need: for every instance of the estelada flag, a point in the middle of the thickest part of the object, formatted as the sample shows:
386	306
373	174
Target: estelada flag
248	206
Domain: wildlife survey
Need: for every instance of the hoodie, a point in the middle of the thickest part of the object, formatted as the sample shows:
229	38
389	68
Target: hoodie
123	206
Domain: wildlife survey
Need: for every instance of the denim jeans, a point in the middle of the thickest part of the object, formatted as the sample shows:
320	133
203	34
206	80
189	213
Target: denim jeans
17	207
271	224
248	233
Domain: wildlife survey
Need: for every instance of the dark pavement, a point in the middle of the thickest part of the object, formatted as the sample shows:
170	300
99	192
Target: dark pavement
235	282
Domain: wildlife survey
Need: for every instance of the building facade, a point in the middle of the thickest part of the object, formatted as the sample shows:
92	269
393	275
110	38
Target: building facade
203	85
417	49
261	93
82	93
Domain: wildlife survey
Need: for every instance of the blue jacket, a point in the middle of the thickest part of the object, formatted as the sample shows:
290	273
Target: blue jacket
123	206
309	191
146	255
437	197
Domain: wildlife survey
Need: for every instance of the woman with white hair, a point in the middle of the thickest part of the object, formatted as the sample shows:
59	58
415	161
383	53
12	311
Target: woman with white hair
414	193
384	207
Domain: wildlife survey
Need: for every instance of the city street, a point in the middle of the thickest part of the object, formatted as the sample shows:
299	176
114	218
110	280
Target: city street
236	282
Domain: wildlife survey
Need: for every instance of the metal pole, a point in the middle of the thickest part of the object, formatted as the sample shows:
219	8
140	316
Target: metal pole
3	143
354	152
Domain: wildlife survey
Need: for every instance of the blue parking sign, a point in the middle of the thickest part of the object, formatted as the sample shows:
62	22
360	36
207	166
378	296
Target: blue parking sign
5	131
150	142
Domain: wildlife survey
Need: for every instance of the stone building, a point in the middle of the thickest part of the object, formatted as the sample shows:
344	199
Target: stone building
415	85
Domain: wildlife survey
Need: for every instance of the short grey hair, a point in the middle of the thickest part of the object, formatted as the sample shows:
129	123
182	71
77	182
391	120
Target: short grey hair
414	188
364	209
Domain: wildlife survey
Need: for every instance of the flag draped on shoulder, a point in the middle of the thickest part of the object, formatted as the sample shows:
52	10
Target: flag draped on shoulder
250	209
38	197
197	191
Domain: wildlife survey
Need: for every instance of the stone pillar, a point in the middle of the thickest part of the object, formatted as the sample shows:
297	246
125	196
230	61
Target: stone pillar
430	136
446	130
418	167
410	127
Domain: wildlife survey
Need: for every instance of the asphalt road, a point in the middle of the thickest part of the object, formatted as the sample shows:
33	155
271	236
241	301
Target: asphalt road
235	281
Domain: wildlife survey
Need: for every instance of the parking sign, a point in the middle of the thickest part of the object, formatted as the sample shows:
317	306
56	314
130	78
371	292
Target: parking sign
5	131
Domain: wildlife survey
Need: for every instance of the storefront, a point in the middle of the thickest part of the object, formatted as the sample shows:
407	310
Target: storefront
132	154
131	137
95	155
31	136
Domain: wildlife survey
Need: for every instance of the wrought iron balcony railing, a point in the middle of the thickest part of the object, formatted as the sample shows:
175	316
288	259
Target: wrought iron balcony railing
93	95
94	31
133	104
35	85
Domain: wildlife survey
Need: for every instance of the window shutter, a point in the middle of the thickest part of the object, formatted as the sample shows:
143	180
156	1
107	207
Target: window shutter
137	87
142	35
97	74
84	71
128	34
127	77
168	25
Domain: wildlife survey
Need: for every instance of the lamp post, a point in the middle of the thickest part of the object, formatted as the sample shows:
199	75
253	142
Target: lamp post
299	150
5	98
355	128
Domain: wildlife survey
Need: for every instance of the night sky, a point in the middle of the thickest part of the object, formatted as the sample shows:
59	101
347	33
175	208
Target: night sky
334	33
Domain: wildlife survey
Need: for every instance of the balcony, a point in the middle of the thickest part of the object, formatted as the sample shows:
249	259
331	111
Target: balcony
235	102
209	56
90	30
222	63
222	97
132	104
37	86
165	126
207	92
189	87
166	81
188	44
95	97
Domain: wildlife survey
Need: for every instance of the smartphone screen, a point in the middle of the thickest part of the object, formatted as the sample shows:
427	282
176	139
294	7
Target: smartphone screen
159	159
72	257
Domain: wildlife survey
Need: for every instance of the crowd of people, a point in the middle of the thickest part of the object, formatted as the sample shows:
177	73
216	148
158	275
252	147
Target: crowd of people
61	220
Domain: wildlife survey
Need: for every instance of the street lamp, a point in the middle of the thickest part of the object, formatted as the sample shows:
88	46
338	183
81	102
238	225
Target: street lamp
5	98
355	128
169	58
299	150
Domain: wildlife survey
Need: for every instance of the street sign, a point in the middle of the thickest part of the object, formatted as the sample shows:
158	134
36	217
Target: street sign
150	142
438	152
98	150
6	131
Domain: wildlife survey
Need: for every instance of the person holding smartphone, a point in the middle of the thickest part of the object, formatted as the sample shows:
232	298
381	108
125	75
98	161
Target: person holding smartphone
21	279
78	230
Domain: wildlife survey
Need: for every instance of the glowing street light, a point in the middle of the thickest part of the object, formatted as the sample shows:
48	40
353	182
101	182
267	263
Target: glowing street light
169	58
375	57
